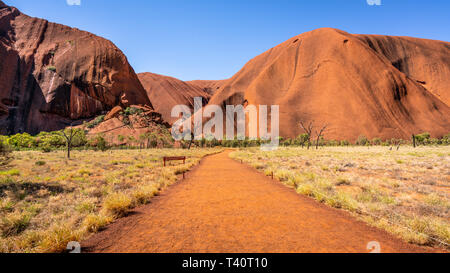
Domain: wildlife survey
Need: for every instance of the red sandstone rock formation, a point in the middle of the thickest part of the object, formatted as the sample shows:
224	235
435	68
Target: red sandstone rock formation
377	86
167	92
208	86
52	75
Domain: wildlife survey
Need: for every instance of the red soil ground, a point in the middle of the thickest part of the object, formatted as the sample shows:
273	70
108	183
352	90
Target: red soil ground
224	206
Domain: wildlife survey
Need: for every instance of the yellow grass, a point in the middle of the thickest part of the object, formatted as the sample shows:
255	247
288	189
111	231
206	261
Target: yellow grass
47	201
405	192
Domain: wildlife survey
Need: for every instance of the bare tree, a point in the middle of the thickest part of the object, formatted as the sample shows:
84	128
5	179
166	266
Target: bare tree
308	130
320	134
69	136
192	140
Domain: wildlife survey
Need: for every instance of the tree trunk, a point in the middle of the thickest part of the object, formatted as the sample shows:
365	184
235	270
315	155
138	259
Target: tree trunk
68	150
414	141
190	142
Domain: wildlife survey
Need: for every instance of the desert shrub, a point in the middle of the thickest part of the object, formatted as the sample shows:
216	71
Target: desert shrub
362	140
376	141
286	142
130	111
40	163
152	139
423	138
20	141
345	143
332	143
51	68
50	139
5	154
96	122
46	149
12	172
100	143
301	140
446	139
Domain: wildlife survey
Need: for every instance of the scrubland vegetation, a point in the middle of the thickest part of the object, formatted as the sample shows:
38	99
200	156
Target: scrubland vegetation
405	192
47	200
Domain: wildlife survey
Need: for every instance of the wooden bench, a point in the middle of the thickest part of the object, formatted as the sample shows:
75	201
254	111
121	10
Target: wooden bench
174	158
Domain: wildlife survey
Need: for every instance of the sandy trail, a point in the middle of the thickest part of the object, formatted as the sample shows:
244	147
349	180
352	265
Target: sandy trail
224	206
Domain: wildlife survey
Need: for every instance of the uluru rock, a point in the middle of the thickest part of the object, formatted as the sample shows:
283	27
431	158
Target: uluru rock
377	86
52	75
166	92
425	61
208	86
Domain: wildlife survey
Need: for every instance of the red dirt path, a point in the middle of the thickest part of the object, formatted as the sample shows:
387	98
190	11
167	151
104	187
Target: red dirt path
224	206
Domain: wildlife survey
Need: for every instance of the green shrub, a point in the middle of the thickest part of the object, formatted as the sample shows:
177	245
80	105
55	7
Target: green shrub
101	143
19	141
376	141
423	138
96	122
51	68
40	163
132	111
345	143
362	141
50	139
5	154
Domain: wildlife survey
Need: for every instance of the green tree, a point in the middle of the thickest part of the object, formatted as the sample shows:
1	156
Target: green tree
423	138
101	143
70	135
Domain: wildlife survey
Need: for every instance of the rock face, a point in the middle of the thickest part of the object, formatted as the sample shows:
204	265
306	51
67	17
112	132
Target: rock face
208	86
52	75
377	86
167	92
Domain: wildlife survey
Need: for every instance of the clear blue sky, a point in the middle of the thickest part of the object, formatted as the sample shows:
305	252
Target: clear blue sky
213	39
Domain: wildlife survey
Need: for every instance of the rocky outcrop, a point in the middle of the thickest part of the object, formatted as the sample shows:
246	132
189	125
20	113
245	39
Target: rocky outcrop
52	75
377	86
122	128
167	92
